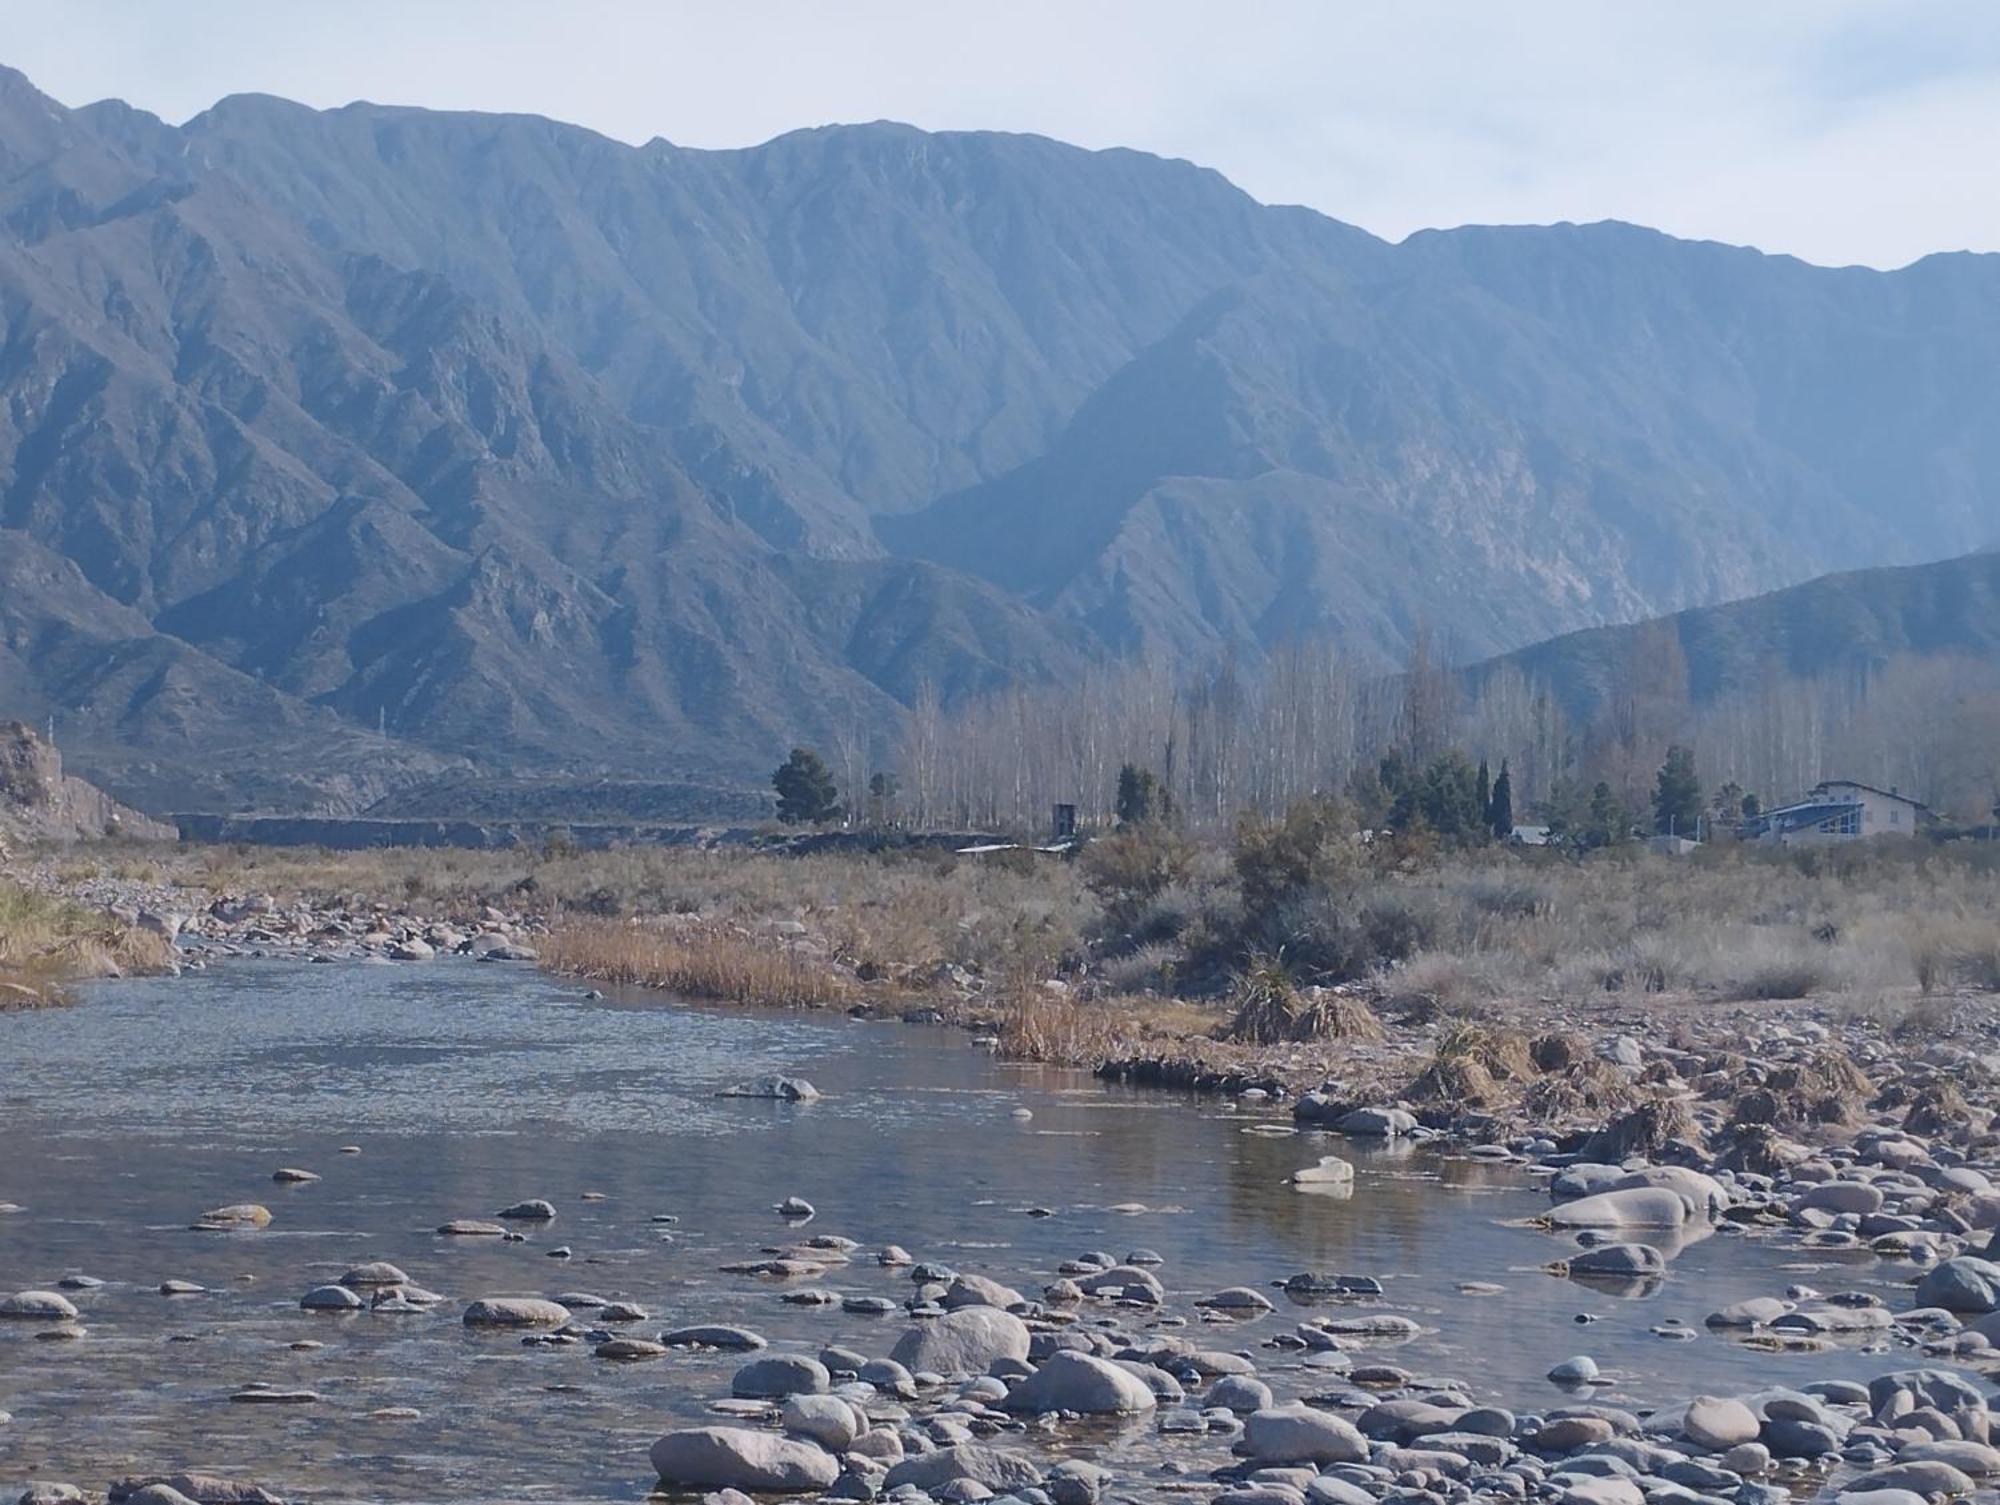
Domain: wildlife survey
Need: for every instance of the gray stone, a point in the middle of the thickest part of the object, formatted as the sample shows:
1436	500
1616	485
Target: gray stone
1294	1434
1082	1383
738	1458
780	1375
535	1210
331	1299
966	1341
999	1469
1718	1423
714	1335
828	1420
38	1306
515	1311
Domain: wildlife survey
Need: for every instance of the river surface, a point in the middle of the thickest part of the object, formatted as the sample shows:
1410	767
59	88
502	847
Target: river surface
467	1087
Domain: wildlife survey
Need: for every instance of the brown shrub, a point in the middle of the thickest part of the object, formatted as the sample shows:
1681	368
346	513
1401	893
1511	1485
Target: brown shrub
1269	1009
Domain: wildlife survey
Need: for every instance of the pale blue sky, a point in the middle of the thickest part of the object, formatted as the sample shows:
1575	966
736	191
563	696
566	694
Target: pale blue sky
1838	130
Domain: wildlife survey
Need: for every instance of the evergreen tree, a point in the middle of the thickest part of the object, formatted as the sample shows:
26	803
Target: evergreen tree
1609	823
806	791
1500	804
1677	795
1485	795
1142	798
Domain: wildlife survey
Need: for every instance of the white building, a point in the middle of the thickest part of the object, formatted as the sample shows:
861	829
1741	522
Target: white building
1841	810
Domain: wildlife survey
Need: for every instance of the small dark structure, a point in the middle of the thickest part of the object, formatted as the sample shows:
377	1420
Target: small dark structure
1062	826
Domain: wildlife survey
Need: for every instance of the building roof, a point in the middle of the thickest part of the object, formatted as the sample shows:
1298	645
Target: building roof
1887	794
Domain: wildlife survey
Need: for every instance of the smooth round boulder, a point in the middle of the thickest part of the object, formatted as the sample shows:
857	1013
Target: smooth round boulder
1284	1435
1858	1197
1001	1470
1623	1261
1968	1286
825	1419
1240	1393
738	1458
535	1210
1083	1383
780	1375
1331	1170
1629	1207
714	1335
38	1306
1719	1423
1377	1123
515	1311
966	1341
1929	1479
238	1216
331	1299
1237	1300
375	1272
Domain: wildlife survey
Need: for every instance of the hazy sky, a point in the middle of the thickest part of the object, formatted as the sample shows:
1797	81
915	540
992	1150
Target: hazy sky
1834	129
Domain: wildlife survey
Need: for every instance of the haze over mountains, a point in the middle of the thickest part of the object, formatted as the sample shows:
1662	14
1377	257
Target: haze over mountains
342	450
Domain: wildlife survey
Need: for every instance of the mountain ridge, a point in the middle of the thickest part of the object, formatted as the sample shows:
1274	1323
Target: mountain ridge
460	440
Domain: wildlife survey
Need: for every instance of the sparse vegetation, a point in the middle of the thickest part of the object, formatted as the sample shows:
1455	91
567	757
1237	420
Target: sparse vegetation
47	942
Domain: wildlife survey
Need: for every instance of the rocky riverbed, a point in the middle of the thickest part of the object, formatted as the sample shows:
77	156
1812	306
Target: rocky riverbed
458	1231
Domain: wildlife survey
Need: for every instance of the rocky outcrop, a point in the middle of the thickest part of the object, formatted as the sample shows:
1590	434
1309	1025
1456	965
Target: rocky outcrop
38	801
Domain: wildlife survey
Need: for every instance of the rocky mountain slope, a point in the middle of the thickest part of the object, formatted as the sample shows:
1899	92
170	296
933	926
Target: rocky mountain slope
346	450
1840	625
38	801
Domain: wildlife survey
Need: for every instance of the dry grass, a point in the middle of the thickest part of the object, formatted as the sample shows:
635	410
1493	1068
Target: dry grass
45	943
702	961
1269	1009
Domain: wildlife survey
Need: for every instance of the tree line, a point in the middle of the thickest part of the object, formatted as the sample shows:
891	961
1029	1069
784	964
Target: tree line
1309	721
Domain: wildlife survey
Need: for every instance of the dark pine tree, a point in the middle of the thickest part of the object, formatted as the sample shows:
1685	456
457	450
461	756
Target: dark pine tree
1677	795
807	794
1500	805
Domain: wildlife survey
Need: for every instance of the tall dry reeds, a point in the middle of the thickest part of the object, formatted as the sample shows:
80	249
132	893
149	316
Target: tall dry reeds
698	961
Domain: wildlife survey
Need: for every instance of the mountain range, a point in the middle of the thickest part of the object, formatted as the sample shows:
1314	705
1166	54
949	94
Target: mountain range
345	452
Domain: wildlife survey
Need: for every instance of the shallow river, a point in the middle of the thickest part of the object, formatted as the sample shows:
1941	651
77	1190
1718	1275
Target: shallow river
468	1087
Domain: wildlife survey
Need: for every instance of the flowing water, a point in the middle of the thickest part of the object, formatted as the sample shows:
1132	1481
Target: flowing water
468	1087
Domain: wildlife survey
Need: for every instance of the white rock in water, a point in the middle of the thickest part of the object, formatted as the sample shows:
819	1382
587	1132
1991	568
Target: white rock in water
1331	1171
38	1306
1580	1370
515	1311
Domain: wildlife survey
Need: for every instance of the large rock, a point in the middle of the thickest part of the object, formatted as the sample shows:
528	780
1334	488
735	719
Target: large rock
1929	1479
1082	1383
738	1458
1718	1423
1330	1171
774	1088
714	1335
780	1375
1627	1261
977	1290
1629	1207
1295	1435
515	1311
966	1341
233	1218
825	1419
1377	1123
998	1469
1840	1196
1966	1285
38	1306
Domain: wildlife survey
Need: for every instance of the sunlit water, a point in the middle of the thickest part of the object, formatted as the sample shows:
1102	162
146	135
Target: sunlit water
468	1087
